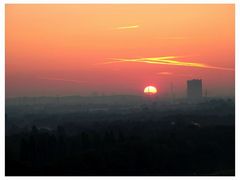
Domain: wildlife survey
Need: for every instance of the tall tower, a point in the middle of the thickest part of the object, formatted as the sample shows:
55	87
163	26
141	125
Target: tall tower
172	92
194	89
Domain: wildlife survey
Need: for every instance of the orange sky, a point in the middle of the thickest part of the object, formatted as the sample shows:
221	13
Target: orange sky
118	49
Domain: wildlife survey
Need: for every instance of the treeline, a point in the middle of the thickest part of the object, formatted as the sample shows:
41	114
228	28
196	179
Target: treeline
189	150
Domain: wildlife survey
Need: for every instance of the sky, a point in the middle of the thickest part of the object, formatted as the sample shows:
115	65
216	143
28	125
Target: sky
58	50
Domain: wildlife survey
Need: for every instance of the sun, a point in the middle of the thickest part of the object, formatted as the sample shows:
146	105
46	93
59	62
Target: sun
150	90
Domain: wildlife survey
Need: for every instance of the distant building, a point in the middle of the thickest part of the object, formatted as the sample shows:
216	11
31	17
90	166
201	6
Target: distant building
194	89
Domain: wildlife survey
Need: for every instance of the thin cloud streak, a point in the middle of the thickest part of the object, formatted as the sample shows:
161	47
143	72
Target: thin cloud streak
171	74
167	60
165	73
61	79
128	27
173	38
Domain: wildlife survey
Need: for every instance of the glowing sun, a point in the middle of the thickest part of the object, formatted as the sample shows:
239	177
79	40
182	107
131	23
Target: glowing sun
150	90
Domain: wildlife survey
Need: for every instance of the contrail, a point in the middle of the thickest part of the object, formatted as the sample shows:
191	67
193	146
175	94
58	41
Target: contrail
167	60
128	27
173	38
61	79
170	73
165	73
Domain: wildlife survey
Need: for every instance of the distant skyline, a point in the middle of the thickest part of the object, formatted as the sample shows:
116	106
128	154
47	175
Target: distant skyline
119	49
